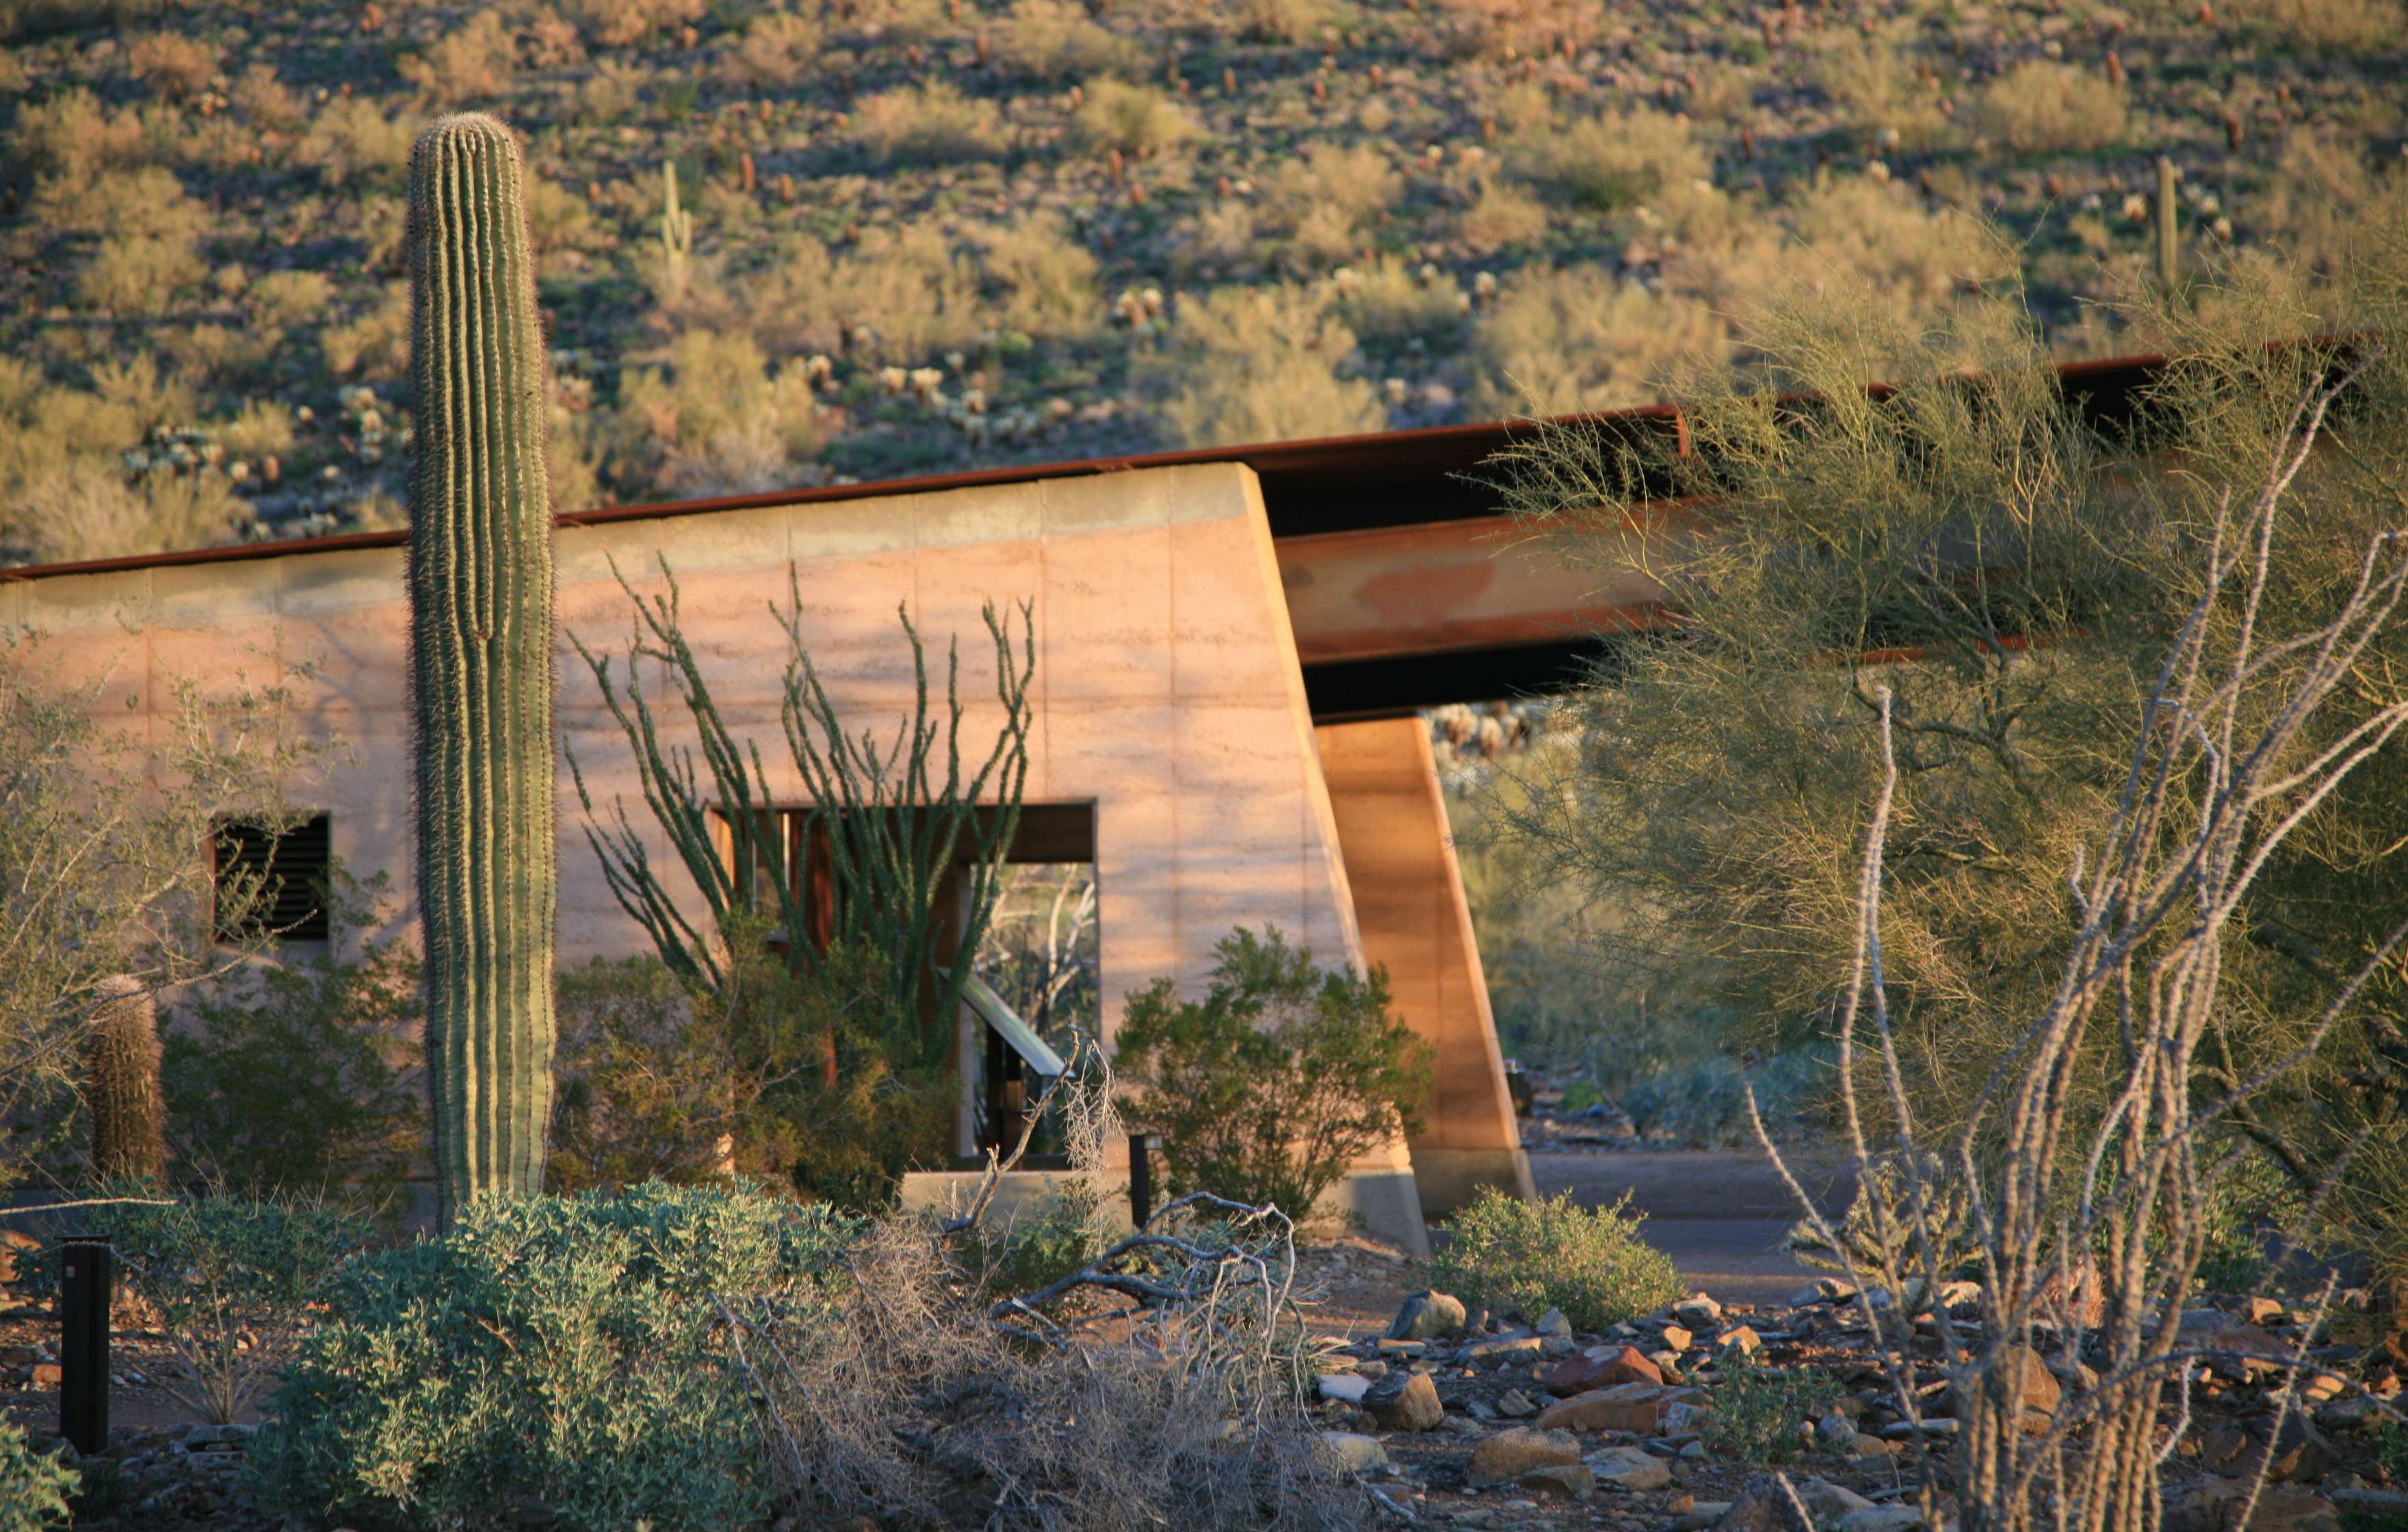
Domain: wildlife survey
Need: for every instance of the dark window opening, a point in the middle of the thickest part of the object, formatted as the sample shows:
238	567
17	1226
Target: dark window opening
271	881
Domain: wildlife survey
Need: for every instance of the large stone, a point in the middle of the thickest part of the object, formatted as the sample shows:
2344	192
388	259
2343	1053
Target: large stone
1428	1316
1697	1310
2213	1504
1348	1386
1625	1406
1347	1453
1408	1402
1762	1506
1505	1350
1829	1501
1511	1453
1629	1467
1559	1482
1602	1366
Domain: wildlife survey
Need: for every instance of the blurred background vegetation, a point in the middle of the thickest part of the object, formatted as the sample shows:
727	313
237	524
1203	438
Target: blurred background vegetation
922	235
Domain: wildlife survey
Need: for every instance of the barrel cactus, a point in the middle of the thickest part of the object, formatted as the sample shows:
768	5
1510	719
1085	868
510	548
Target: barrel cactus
480	618
122	1083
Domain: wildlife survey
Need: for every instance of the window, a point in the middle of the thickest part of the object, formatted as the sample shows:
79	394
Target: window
272	881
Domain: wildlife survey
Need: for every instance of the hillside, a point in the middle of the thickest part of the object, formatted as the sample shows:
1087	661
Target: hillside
940	233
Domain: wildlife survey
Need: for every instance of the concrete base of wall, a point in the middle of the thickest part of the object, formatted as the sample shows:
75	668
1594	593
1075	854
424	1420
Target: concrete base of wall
1450	1178
1387	1204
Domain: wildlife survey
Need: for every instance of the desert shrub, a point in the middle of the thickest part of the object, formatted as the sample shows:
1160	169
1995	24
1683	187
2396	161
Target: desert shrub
1057	39
83	508
643	1093
375	345
927	125
2042	107
1282	1075
263	101
473	62
1588	1262
610	92
72	137
1702	1100
1130	117
2345	27
171	64
1034	1246
233	1281
1219	238
1611	160
616	23
34	1486
350	140
559	1349
1499	213
1518	26
1039	278
242	1116
1860	232
901	1401
283	298
1285	20
718	420
1262	365
777	49
1759	1409
1872	83
261	426
1388	301
1558	341
137	274
1323	198
558	219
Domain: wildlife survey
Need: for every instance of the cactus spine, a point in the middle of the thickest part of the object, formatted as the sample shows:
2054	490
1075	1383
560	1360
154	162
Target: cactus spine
480	615
129	1141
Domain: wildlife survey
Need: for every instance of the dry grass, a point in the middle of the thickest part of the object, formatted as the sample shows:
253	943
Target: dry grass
2039	107
1324	198
1611	161
1058	40
928	124
1511	27
777	48
898	1400
2338	26
472	63
1133	119
1555	342
354	141
1259	365
173	66
717	421
1388	301
1875	88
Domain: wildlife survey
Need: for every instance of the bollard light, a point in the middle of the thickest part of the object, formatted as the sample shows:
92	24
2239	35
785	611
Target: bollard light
85	1279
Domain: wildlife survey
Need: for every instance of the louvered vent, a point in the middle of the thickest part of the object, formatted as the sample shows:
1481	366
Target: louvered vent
287	869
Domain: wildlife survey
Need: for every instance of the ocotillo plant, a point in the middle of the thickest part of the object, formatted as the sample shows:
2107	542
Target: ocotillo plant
481	611
121	1070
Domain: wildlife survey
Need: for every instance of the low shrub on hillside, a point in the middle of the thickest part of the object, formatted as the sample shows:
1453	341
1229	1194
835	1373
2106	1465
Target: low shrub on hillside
2039	107
563	1351
34	1486
1266	1090
1588	1262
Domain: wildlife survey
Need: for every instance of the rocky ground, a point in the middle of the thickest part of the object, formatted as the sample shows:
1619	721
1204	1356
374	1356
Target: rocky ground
1455	1417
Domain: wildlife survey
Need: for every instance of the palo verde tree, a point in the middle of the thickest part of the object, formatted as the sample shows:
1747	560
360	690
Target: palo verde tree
480	603
818	945
2009	569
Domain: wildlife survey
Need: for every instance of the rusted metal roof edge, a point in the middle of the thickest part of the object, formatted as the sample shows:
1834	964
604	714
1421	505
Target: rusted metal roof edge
1264	457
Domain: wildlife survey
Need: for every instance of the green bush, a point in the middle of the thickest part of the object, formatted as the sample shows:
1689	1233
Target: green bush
1588	1262
1040	1244
1758	1410
240	1114
1278	1080
33	1487
563	1351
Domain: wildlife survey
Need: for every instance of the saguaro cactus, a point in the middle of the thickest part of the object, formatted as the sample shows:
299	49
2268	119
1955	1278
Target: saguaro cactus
121	1075
480	618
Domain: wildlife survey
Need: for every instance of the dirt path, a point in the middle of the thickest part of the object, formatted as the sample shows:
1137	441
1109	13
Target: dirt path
1720	1215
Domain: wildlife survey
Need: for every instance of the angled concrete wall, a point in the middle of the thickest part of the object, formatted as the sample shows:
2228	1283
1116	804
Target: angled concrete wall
1410	905
1168	691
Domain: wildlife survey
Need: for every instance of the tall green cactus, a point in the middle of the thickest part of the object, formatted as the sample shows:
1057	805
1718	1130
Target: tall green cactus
480	618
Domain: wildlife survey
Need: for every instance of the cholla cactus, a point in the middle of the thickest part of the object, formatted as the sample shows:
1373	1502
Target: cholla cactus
480	615
129	1140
